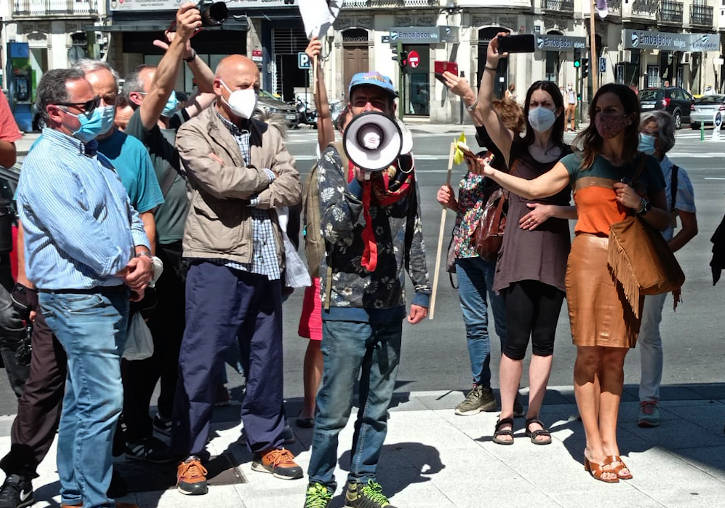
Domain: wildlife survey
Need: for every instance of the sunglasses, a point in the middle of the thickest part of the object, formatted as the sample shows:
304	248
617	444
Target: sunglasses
86	107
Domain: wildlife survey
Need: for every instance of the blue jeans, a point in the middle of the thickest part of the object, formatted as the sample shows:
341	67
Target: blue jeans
475	280
349	349
92	330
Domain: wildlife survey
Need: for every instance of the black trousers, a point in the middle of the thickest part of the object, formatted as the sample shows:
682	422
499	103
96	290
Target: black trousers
39	407
532	310
167	327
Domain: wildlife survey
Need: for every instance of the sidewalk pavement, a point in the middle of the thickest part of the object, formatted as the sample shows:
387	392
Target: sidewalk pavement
433	458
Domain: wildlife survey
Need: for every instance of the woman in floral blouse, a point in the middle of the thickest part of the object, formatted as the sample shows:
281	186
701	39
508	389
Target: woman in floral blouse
475	274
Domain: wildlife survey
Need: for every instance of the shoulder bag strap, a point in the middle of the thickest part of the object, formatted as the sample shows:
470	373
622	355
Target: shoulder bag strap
673	187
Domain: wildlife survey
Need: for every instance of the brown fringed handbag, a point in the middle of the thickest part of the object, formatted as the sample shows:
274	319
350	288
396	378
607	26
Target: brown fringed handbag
641	260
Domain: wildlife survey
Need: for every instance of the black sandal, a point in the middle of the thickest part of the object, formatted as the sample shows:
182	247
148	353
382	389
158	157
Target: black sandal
534	434
505	432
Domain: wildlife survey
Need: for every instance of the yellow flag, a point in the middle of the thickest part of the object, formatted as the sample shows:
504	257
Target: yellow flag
458	155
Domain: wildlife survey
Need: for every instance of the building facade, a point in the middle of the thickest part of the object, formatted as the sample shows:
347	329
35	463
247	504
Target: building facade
640	42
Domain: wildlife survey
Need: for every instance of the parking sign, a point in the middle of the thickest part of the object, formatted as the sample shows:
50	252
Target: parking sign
303	61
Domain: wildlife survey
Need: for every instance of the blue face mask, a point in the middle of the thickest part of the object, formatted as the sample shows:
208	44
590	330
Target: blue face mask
100	122
541	118
646	143
171	105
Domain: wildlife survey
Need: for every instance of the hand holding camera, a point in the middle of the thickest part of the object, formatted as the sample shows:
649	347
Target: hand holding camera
188	21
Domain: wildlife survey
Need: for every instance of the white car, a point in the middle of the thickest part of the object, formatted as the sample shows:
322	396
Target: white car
705	109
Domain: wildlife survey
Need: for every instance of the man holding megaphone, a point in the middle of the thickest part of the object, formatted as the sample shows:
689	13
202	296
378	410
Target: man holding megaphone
371	223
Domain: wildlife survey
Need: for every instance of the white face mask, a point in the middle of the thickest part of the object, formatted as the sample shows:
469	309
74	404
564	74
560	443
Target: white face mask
241	102
541	118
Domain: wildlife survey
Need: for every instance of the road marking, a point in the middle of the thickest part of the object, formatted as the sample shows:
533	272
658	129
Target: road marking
713	178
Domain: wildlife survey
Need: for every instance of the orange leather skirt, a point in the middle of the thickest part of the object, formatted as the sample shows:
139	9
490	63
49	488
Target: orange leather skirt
598	312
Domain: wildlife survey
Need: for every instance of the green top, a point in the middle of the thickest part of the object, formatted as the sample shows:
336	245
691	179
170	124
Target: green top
650	181
170	216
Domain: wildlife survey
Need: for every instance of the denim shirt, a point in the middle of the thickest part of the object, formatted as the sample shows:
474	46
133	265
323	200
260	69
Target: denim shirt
79	227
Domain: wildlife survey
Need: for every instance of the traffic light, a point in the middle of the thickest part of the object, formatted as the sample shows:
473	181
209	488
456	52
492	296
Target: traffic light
403	59
577	64
585	67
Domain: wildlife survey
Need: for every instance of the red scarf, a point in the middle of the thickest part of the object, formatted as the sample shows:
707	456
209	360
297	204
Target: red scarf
384	188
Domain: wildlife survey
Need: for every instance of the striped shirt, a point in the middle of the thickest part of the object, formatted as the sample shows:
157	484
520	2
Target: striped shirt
264	253
79	226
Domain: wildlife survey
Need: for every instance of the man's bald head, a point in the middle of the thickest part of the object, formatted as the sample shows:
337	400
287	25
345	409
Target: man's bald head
238	69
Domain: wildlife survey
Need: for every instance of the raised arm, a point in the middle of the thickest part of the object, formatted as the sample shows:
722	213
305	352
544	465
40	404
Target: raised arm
548	184
188	20
325	129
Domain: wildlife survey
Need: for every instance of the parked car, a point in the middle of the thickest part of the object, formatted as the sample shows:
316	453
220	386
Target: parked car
672	99
273	106
705	109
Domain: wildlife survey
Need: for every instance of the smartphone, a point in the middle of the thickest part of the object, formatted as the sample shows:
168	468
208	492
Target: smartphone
525	43
441	67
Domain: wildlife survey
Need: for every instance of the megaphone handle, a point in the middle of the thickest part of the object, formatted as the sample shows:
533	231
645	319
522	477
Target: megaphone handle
441	233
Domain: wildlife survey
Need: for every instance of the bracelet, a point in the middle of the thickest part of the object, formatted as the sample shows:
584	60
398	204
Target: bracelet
472	106
494	69
146	253
644	207
192	57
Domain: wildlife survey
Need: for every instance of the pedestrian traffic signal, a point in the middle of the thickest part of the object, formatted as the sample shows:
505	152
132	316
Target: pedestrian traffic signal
585	67
403	59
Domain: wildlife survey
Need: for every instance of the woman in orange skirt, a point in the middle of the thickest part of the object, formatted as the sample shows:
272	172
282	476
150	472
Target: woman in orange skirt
603	325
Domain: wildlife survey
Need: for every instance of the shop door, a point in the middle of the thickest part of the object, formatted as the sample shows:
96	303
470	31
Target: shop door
355	60
286	43
417	82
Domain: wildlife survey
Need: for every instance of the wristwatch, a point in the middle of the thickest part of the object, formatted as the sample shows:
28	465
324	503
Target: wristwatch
472	106
192	57
146	253
644	207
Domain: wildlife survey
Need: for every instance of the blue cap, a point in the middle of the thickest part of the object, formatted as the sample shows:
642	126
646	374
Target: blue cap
372	79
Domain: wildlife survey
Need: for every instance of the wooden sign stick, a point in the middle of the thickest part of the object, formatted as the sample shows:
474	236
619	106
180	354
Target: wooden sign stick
441	233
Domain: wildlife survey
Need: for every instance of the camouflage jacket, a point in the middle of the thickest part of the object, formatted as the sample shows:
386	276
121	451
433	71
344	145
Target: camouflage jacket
354	293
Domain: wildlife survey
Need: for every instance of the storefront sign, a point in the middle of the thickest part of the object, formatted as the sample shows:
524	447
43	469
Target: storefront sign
705	42
559	42
415	35
645	39
159	5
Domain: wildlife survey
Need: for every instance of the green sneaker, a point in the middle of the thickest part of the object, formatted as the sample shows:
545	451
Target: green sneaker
369	495
317	496
479	399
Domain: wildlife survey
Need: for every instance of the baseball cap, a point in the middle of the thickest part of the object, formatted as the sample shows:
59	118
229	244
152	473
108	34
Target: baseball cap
372	79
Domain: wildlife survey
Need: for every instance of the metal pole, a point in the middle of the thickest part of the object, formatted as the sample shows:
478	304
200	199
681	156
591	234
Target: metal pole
401	85
593	45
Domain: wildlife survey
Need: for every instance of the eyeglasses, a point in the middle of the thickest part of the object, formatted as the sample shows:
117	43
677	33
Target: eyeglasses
86	107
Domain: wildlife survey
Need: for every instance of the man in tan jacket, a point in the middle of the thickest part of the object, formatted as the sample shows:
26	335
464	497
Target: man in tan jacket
239	171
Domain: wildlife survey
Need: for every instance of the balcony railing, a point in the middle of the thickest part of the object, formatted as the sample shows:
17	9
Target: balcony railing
645	8
615	7
701	14
366	4
559	5
54	7
670	12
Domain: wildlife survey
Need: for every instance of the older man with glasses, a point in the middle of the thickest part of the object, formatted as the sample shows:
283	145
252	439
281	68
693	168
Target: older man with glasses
87	253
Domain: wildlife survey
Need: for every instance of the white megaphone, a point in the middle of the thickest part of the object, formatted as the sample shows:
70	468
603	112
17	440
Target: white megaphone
372	141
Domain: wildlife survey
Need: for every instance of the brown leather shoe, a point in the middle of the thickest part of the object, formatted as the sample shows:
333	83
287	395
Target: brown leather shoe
191	477
278	462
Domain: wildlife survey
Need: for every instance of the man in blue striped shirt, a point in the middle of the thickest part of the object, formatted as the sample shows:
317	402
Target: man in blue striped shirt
86	251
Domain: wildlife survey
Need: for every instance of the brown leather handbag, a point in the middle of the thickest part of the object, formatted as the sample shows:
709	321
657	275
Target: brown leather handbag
642	261
488	235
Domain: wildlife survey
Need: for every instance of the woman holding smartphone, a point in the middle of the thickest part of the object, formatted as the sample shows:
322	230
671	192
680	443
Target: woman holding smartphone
532	263
603	324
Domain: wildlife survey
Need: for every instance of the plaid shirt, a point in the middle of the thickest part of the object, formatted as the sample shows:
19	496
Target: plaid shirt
264	253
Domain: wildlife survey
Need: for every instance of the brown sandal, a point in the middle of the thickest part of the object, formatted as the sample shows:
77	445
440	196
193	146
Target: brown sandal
596	471
616	469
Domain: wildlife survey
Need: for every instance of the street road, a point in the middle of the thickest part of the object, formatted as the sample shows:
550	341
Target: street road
434	353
